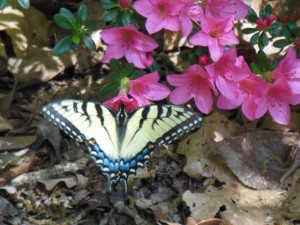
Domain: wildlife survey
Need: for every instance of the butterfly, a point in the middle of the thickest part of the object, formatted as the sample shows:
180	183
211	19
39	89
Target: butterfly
120	142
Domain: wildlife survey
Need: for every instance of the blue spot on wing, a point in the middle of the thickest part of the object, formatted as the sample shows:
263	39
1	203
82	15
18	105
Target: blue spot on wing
119	169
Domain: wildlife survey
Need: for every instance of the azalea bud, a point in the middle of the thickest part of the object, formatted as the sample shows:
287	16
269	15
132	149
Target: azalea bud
125	3
204	60
297	43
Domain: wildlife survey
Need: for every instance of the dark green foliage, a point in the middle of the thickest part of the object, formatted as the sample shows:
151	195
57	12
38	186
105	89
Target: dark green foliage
80	29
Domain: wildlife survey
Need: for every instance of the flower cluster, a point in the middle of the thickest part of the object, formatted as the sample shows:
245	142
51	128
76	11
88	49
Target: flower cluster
223	74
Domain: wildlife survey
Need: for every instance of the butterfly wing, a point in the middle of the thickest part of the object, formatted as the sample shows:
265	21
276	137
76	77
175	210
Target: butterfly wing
89	122
149	126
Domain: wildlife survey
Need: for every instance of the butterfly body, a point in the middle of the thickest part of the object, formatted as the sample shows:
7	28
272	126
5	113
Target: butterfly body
120	142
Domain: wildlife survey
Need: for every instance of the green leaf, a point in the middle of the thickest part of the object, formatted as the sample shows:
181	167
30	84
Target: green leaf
116	66
262	13
24	3
126	18
62	21
252	16
89	43
262	60
63	46
263	40
82	12
282	43
136	74
111	14
90	24
76	39
109	88
255	68
129	68
67	13
268	10
249	30
286	32
3	4
254	38
275	30
294	28
107	5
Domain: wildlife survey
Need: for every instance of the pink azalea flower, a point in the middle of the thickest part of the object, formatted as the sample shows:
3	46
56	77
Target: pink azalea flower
249	90
122	99
215	33
289	69
160	14
265	23
222	9
195	83
228	71
147	88
190	12
277	100
129	42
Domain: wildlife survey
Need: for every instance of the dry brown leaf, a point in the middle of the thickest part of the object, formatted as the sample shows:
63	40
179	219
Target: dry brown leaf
4	126
25	166
78	181
249	206
24	27
29	70
58	170
258	158
16	142
196	147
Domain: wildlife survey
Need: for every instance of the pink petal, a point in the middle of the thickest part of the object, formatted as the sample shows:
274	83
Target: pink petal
215	49
144	43
157	92
144	7
228	104
112	36
179	80
226	87
203	99
180	95
113	52
172	23
135	57
229	39
200	38
153	25
186	26
249	108
226	24
282	115
262	106
146	79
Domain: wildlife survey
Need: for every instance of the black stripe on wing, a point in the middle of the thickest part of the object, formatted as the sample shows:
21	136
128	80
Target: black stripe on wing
51	113
191	122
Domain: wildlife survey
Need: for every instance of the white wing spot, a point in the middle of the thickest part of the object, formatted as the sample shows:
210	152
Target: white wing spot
100	161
